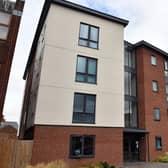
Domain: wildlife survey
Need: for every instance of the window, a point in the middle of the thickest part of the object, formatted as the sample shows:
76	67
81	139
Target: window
129	58
155	86
131	114
89	36
84	108
86	70
130	83
166	65
153	60
4	23
158	142
82	146
156	112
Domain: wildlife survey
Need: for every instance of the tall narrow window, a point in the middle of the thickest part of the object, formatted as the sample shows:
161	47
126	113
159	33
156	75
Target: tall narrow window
158	143
82	146
86	70
155	86
88	36
131	115
156	112
153	60
84	108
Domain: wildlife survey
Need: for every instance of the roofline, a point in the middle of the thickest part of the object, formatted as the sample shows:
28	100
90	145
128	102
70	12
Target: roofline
68	5
91	11
146	44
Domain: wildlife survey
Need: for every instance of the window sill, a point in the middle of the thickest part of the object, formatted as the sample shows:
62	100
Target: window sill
86	82
158	149
81	157
88	47
80	122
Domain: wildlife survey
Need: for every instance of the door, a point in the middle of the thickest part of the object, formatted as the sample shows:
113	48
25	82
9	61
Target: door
131	148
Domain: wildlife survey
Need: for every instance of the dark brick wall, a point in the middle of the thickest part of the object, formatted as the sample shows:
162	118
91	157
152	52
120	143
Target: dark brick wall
53	143
147	99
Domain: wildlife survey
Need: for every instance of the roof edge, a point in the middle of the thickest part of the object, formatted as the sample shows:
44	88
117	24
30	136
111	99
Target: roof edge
144	43
91	11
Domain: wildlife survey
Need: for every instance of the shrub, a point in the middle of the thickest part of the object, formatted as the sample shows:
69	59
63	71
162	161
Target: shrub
55	164
162	158
106	165
98	165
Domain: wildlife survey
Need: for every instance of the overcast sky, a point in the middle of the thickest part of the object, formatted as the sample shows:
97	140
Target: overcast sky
147	21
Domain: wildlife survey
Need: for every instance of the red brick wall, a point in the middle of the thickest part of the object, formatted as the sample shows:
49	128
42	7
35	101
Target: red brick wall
147	99
53	143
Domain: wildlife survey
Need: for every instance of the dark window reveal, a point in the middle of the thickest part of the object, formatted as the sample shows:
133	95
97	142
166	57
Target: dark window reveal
86	70
84	108
158	142
82	146
89	36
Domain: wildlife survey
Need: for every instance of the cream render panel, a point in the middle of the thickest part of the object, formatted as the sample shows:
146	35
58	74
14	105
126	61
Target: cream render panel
57	83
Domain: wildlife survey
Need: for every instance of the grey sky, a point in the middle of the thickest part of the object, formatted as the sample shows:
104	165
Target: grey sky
147	21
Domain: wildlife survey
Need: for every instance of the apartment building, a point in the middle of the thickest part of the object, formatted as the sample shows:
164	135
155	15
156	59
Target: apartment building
74	97
10	15
145	132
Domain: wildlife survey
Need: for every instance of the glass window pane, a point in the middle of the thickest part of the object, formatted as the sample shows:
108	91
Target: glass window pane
133	84
126	106
154	86
166	65
94	33
78	103
126	83
4	18
126	58
157	114
76	146
93	45
133	115
83	42
80	78
91	79
3	32
90	104
84	29
92	66
158	143
166	89
88	145
81	64
153	60
133	62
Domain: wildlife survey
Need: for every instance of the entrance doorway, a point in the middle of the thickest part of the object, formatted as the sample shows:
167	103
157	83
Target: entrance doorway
131	147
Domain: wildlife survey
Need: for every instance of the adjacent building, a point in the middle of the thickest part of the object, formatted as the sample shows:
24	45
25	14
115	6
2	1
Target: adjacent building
10	15
74	99
146	117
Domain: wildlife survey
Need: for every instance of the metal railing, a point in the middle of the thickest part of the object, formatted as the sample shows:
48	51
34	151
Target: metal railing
83	117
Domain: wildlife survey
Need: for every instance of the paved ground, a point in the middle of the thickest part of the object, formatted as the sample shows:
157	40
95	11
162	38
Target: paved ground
145	165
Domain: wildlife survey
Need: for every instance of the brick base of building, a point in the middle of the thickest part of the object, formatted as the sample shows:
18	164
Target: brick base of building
53	143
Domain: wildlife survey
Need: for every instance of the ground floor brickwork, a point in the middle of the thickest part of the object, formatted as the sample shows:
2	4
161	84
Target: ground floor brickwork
53	143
